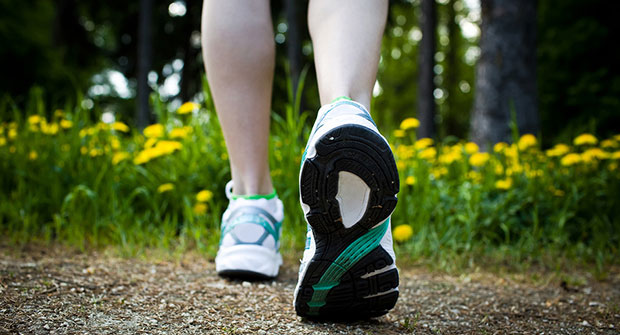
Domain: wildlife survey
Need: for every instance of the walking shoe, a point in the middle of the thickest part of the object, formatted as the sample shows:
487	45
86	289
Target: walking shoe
348	185
250	237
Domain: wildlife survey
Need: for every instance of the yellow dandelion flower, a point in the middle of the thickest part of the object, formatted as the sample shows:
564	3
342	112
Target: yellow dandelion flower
479	158
200	208
428	154
449	157
608	144
594	153
49	129
516	168
204	196
59	113
119	157
500	146
142	157
95	152
409	123
410	180
32	155
404	151
102	126
570	159
83	150
512	151
615	155
399	133
585	139
34	119
181	132
503	184
168	147
66	124
154	131
613	166
115	143
499	169
150	143
471	147
119	126
558	150
526	141
187	108
617	137
401	165
2	141
474	176
423	143
402	233
165	187
439	171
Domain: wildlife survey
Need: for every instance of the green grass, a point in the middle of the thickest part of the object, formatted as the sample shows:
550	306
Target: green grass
518	205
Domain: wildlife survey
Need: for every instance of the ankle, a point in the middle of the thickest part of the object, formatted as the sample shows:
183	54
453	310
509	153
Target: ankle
253	189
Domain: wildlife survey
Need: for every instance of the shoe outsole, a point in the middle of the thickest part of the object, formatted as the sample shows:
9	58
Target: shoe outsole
244	275
361	151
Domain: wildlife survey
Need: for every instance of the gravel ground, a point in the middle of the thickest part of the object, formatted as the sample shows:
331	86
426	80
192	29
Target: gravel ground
56	291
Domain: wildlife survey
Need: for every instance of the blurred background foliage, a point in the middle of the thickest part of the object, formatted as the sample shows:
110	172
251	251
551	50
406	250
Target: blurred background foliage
69	46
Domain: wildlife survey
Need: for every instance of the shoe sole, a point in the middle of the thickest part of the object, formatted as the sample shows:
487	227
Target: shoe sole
336	284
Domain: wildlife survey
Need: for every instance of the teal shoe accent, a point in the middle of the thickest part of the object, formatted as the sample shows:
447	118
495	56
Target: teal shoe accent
252	215
347	259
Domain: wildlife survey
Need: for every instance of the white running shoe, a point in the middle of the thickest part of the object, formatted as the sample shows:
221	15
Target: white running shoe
348	186
250	237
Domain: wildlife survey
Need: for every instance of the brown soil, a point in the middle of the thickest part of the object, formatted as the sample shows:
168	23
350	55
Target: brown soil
56	291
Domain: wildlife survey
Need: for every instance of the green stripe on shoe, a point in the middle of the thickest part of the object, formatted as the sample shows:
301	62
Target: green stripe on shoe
256	196
349	257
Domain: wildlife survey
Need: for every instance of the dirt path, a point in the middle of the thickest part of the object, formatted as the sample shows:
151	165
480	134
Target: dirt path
52	291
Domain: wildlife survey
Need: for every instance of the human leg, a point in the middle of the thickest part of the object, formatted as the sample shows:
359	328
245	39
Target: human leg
239	56
346	36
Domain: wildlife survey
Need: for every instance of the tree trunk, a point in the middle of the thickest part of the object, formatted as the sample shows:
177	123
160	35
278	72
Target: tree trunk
145	59
450	124
426	86
190	75
506	71
293	42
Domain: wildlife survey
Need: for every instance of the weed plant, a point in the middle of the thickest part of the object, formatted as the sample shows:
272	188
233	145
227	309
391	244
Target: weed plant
65	176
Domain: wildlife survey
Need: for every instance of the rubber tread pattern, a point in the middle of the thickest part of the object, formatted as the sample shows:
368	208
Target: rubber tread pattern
363	152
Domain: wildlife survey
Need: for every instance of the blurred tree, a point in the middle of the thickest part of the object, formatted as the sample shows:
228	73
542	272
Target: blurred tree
144	60
578	68
450	124
43	44
506	71
426	84
294	40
